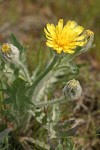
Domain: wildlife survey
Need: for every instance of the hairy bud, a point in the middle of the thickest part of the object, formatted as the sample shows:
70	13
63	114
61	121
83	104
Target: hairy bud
72	90
10	53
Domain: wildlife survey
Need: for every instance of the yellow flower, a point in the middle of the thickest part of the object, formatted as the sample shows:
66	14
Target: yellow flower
5	48
65	38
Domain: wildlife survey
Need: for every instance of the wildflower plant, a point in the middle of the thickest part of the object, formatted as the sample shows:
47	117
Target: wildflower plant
24	98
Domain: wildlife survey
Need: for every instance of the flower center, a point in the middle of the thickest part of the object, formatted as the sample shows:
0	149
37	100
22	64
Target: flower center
60	42
73	83
6	48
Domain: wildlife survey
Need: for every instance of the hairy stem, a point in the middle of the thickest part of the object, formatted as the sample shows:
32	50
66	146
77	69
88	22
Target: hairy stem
45	72
51	102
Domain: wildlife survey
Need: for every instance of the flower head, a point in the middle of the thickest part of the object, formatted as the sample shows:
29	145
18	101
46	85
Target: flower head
10	53
72	90
65	38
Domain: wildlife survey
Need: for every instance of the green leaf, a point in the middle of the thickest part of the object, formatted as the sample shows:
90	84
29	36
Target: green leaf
4	133
70	132
59	147
5	91
16	72
16	43
2	65
19	93
7	101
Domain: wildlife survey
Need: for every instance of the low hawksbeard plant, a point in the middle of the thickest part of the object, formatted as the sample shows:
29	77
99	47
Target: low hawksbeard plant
28	119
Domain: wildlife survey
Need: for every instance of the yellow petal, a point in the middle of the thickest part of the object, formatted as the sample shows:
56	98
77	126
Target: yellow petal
46	32
79	29
70	51
68	23
51	30
53	27
73	24
49	44
82	37
69	26
80	43
49	38
48	27
59	49
72	46
60	25
53	34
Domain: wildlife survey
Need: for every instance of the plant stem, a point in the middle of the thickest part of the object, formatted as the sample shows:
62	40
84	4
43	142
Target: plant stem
26	118
48	69
51	102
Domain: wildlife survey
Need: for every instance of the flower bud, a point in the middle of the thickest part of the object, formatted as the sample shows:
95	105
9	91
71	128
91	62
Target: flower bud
72	90
10	53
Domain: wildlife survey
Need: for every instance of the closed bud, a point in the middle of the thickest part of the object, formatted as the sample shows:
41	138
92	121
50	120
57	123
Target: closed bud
72	90
10	53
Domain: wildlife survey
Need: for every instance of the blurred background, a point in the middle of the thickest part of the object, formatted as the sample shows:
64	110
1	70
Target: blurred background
27	19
